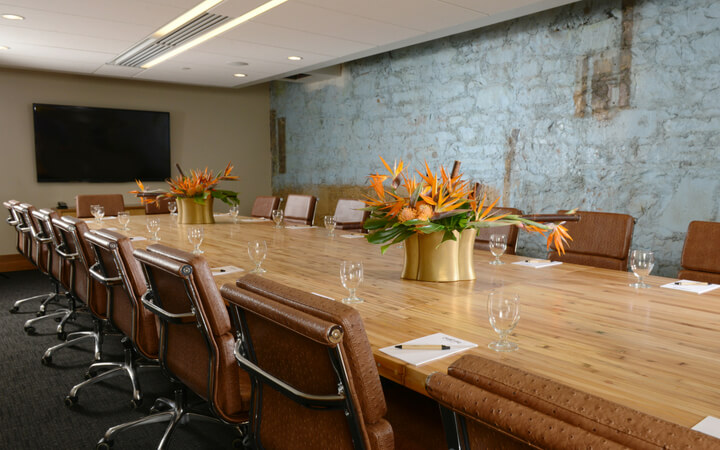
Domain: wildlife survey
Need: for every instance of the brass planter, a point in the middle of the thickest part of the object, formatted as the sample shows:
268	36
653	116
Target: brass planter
190	211
427	259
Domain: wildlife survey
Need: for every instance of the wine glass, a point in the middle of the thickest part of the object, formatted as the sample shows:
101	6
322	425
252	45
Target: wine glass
153	226
172	207
498	244
504	313
351	275
93	211
257	250
641	263
100	211
234	211
277	217
330	223
195	236
124	218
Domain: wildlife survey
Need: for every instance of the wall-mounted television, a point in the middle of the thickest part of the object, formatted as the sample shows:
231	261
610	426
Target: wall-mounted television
100	145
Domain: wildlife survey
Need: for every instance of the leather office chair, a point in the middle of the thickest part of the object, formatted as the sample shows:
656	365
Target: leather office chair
482	239
111	202
12	220
26	245
315	382
264	206
349	214
701	252
73	247
599	239
196	342
300	209
161	207
486	404
117	269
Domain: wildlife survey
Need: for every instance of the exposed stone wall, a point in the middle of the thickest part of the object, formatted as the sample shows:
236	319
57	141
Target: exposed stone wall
602	105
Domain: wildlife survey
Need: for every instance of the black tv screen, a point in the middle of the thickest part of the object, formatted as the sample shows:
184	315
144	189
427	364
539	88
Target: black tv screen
100	145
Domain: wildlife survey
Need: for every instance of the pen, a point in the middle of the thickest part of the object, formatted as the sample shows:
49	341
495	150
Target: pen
537	261
422	347
691	283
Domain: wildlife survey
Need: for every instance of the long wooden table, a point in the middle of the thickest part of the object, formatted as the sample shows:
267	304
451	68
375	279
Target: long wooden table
656	350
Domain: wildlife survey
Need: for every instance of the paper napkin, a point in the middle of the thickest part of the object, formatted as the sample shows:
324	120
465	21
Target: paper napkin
224	270
538	263
691	286
709	425
418	357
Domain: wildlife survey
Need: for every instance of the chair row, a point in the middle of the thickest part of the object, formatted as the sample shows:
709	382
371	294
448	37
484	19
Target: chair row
349	214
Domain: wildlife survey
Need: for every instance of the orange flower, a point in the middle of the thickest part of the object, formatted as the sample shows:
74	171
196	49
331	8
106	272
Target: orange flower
406	214
425	212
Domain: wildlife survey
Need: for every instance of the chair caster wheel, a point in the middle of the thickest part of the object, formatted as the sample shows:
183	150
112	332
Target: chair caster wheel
29	330
62	335
104	445
89	375
14	309
46	360
70	401
58	319
135	404
39	313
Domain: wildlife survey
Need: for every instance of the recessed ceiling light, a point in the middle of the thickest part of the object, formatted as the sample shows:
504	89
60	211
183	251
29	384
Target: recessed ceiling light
12	17
2	47
240	75
295	58
185	68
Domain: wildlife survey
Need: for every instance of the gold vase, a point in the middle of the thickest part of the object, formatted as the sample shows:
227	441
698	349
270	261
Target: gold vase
189	211
427	258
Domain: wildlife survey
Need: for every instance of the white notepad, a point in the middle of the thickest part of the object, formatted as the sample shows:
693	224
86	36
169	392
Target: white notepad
690	287
418	357
224	270
709	425
353	236
138	238
298	227
538	263
253	219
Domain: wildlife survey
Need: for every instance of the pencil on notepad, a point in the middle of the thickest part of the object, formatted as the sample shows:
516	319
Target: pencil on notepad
691	283
422	347
537	261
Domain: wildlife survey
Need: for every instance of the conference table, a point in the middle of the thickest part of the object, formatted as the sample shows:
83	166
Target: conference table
656	350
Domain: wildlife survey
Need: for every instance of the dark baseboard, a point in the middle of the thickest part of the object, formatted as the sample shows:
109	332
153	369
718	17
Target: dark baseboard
13	263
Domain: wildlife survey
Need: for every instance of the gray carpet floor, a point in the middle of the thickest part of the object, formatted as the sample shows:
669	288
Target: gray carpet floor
32	410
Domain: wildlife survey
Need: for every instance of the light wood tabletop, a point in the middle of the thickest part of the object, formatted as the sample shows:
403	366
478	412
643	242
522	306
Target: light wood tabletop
656	350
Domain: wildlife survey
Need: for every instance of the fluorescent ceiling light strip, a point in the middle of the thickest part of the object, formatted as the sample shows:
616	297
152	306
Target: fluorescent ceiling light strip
185	18
215	32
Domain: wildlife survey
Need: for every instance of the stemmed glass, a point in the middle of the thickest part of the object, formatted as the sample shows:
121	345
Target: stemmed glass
330	223
498	244
123	218
93	211
504	314
257	250
195	236
172	207
641	263
98	211
153	226
277	217
234	211
351	275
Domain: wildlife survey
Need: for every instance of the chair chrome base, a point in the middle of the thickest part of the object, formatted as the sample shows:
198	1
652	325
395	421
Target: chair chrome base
61	315
48	298
177	414
73	338
128	366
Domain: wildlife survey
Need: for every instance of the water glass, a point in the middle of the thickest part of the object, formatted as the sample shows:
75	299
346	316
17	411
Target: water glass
330	223
277	217
153	226
351	276
172	207
195	235
100	213
504	314
234	212
498	245
641	264
257	250
123	218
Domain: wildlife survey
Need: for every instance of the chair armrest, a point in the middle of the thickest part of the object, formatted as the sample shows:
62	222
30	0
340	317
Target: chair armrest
114	281
165	315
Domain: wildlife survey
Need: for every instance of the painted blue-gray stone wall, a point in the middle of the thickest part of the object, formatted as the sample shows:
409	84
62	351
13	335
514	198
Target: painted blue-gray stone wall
601	105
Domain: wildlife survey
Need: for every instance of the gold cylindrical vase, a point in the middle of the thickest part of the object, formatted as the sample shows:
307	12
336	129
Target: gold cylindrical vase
190	211
427	258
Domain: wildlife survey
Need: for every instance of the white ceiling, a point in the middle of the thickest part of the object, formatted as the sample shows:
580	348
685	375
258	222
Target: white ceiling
82	36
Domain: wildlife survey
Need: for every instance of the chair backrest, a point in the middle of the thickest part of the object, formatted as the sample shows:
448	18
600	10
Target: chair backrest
492	405
482	239
120	272
43	250
111	202
160	206
314	345
599	239
27	227
59	268
349	214
264	206
701	252
196	336
300	209
11	219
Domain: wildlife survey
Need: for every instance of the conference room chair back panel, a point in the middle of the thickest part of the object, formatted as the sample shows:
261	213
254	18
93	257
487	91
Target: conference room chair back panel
111	202
701	252
25	246
159	207
264	206
59	268
482	239
13	222
349	214
599	239
300	209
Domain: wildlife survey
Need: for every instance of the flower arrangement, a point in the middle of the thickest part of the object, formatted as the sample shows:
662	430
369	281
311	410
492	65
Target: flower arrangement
441	203
199	186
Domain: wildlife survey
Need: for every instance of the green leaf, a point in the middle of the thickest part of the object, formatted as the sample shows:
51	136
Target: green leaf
448	236
375	223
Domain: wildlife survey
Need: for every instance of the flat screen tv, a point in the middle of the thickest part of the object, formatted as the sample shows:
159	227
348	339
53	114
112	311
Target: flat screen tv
100	145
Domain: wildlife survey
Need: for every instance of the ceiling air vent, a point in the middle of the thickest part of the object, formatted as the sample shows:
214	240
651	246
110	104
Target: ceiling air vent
297	77
152	47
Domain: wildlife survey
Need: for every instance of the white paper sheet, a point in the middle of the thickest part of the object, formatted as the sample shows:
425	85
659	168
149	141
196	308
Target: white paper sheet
138	238
418	357
709	425
254	219
224	270
111	229
689	286
538	263
298	227
353	236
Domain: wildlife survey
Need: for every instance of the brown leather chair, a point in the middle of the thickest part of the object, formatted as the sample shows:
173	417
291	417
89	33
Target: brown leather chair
599	239
196	342
12	220
25	243
264	206
300	209
701	253
117	269
482	240
486	404
349	214
159	207
111	202
315	382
